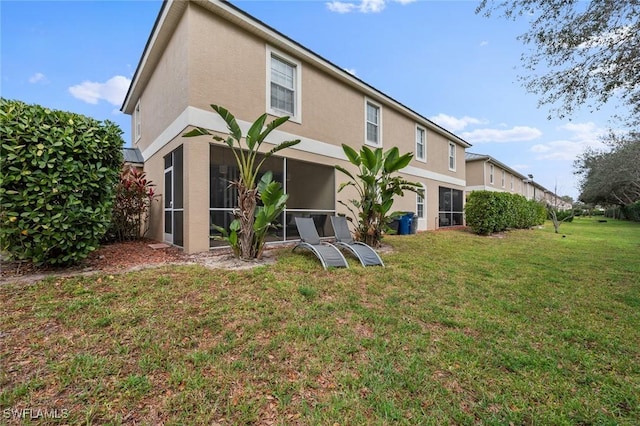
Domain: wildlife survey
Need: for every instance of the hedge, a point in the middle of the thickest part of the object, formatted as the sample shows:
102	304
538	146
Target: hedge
57	178
487	212
629	212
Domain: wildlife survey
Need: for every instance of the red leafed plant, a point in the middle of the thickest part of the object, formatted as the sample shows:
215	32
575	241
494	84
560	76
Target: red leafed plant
131	206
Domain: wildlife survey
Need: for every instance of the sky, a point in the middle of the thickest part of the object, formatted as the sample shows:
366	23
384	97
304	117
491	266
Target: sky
439	58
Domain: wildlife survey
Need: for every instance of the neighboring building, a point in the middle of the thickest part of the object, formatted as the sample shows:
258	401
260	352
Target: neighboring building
133	158
210	52
485	173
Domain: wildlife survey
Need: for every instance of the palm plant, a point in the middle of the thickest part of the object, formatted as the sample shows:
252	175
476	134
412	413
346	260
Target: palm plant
247	243
376	187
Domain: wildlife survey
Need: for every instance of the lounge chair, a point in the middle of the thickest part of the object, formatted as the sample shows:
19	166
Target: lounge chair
364	252
328	254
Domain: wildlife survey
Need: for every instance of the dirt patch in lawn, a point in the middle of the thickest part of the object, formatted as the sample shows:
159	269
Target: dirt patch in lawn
128	256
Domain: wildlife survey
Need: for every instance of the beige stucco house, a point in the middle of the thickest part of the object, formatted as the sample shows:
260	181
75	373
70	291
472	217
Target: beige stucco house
485	173
210	52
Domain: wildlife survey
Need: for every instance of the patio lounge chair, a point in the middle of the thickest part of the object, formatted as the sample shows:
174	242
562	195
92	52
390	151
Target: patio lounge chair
364	253
328	254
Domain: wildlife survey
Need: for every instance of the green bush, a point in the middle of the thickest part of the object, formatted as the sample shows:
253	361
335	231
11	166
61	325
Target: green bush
632	211
487	212
564	215
57	180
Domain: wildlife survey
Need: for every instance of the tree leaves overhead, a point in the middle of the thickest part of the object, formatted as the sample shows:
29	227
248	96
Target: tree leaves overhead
584	53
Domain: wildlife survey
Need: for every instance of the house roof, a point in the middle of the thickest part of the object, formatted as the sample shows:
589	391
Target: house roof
132	155
168	19
470	157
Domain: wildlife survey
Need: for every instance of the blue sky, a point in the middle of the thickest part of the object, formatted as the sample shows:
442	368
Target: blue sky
438	57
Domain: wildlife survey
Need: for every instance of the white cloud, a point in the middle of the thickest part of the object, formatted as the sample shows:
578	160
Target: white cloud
515	134
351	71
580	137
362	6
113	90
340	7
454	124
38	78
520	167
484	43
540	148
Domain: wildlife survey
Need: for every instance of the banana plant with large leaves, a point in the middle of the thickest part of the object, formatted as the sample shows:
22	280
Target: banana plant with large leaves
376	184
246	243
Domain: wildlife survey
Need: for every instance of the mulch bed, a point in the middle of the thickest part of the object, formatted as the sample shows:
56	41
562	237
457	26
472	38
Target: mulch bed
112	257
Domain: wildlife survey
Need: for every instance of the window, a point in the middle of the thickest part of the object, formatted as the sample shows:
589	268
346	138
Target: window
136	123
450	208
420	203
491	174
373	124
421	142
512	182
283	85
504	178
452	156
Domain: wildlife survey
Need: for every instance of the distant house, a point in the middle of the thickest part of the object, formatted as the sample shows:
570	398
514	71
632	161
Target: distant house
485	173
204	52
133	158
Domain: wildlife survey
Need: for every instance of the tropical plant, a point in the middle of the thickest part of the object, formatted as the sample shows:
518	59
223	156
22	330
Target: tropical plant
58	173
376	186
131	206
248	243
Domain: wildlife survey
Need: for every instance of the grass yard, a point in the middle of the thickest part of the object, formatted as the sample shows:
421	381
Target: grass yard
525	328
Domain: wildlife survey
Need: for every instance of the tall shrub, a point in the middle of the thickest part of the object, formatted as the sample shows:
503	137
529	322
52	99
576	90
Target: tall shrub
131	206
56	182
487	212
632	211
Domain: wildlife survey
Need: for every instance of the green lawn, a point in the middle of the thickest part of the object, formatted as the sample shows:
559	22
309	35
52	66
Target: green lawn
525	328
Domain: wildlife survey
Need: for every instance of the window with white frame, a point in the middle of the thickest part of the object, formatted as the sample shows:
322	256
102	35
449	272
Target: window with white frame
283	85
420	210
504	178
491	174
512	182
452	156
373	121
421	144
137	128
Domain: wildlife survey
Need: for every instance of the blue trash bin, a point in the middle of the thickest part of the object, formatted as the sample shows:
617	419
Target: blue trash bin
405	224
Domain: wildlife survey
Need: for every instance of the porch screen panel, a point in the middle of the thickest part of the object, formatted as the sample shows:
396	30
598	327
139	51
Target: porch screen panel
178	179
450	210
311	189
223	196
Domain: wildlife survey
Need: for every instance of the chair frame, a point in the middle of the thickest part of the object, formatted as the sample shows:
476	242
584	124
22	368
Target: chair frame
348	243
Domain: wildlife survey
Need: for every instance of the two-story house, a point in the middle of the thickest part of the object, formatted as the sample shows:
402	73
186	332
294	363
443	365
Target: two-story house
488	174
485	173
210	52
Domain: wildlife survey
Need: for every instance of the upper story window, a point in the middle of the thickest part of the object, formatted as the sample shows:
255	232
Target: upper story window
452	156
373	123
283	85
504	178
421	144
137	128
512	182
491	174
